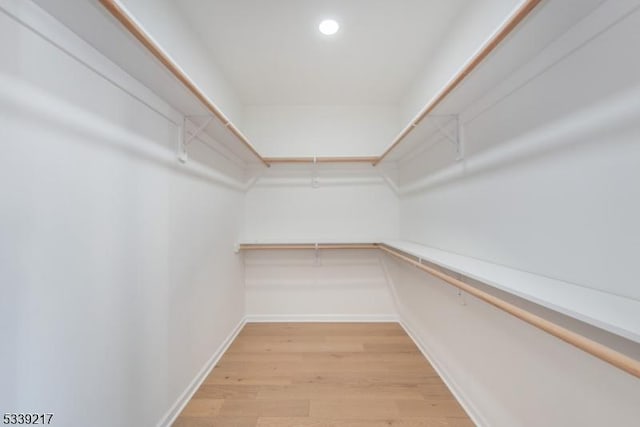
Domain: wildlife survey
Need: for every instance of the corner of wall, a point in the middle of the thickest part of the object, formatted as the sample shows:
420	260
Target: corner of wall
172	414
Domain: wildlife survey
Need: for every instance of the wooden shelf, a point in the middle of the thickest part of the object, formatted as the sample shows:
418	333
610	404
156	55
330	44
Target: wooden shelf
292	245
616	314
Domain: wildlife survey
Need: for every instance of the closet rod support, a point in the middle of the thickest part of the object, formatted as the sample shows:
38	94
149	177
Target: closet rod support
193	135
455	138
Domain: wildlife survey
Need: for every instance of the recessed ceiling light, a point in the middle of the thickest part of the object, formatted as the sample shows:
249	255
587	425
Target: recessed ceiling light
329	27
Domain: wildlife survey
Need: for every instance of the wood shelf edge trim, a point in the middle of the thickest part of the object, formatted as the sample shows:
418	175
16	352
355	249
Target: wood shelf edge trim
525	9
325	159
130	25
288	246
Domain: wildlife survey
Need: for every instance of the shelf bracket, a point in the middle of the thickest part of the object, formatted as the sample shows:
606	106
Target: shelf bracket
315	182
317	255
186	136
457	138
182	151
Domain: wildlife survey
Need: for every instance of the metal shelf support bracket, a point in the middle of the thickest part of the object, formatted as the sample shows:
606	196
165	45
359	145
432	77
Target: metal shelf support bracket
186	136
457	137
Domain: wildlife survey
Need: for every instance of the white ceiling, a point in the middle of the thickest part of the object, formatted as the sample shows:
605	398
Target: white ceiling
272	52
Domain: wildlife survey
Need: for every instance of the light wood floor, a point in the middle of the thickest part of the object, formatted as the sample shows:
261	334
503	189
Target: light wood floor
323	375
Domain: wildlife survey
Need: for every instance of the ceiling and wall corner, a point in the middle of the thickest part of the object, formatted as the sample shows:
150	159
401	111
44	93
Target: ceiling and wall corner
273	54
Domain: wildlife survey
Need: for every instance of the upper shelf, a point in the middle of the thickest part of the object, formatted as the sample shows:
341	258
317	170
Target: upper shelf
224	130
499	36
551	32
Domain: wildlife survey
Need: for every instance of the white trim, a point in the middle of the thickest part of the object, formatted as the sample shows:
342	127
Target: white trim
452	385
263	318
170	416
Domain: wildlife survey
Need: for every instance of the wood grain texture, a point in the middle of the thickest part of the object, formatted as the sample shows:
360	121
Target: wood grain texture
323	375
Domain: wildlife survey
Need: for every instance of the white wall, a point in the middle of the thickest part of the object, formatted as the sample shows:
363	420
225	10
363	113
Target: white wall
348	204
548	186
548	183
118	278
326	285
321	130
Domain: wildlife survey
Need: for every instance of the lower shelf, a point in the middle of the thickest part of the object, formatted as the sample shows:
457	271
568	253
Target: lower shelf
612	313
324	245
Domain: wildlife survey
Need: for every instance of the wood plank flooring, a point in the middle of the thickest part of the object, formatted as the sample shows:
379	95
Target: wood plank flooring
323	375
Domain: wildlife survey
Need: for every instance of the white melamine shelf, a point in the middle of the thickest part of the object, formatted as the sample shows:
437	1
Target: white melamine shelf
613	313
305	244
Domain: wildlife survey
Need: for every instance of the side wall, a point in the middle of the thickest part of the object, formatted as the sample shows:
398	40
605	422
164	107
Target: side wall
118	278
549	186
505	372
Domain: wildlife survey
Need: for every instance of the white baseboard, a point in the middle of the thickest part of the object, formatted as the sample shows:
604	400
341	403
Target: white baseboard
263	318
175	410
442	371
